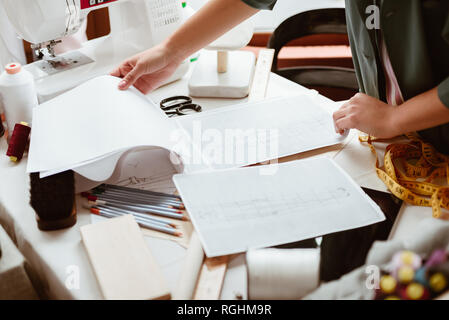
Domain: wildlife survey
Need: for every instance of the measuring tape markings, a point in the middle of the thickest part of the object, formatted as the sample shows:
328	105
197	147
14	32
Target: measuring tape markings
419	160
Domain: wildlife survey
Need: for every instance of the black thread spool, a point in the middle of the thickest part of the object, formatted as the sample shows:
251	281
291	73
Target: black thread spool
53	200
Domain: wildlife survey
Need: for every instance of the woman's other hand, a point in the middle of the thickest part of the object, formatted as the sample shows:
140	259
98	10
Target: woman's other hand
367	114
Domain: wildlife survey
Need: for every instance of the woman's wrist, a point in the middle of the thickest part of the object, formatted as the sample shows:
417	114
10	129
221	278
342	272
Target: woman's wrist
394	122
173	51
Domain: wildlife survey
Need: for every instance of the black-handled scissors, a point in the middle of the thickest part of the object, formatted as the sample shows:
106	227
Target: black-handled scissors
179	106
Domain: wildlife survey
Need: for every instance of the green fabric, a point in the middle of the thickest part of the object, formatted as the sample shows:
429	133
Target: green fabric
416	34
261	4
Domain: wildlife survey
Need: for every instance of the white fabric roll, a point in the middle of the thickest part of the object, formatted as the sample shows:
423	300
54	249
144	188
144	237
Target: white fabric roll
282	273
18	97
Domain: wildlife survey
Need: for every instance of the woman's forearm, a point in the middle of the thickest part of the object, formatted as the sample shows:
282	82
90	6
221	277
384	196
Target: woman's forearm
210	22
421	112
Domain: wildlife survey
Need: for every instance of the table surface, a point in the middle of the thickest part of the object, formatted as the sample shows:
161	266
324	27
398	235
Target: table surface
58	256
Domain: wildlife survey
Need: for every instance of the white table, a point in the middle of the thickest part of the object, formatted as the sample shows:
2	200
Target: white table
58	256
14	279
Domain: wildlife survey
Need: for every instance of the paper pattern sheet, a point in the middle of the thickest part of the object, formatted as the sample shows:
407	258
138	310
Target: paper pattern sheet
267	130
236	210
91	121
90	128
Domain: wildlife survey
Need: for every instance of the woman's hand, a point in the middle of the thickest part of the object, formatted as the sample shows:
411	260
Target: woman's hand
368	115
147	70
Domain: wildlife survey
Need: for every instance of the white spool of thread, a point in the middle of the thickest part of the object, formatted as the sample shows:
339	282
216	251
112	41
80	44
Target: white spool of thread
17	95
282	273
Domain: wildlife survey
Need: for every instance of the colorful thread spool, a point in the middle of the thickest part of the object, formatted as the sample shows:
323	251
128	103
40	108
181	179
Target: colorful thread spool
437	257
408	258
421	276
3	124
388	284
437	282
404	259
2	129
18	142
405	274
412	278
415	291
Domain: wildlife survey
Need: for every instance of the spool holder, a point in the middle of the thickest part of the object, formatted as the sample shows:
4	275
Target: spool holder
222	74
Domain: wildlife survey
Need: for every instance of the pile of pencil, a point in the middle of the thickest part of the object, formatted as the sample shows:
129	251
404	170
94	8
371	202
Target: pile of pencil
147	207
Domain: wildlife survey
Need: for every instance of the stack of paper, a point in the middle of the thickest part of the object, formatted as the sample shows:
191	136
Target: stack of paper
89	129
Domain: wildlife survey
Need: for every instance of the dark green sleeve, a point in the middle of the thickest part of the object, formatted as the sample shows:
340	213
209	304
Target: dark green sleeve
443	92
443	87
261	4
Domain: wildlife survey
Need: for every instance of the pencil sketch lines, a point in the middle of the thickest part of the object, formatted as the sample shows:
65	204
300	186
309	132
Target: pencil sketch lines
269	205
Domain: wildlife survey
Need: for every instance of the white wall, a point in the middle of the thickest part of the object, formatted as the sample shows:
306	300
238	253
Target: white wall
269	20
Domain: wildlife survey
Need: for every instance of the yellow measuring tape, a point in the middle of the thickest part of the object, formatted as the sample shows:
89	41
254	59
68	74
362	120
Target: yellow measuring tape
421	165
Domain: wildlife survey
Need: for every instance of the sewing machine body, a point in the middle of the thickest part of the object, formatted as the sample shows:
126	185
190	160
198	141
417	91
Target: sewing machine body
136	25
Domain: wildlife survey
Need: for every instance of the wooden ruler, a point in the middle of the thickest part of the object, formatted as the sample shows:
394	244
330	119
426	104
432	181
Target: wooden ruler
211	278
191	269
261	75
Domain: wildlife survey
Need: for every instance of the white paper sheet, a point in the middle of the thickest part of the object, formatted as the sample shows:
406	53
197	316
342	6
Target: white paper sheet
235	210
250	133
92	120
90	128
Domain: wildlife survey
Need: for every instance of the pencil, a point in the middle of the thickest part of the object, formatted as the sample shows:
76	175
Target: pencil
141	193
138	215
110	186
136	200
140	209
144	216
140	222
127	202
139	198
124	193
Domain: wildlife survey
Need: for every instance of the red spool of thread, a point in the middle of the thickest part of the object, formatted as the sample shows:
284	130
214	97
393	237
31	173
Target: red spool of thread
2	125
18	142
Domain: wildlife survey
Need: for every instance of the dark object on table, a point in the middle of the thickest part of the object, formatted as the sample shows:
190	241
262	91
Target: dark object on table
345	251
179	106
2	129
53	200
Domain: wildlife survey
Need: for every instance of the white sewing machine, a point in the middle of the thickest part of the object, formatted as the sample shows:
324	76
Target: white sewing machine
136	25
